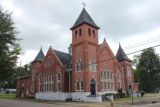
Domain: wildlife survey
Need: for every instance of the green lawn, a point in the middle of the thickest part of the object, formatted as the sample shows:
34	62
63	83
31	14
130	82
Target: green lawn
130	98
13	97
8	96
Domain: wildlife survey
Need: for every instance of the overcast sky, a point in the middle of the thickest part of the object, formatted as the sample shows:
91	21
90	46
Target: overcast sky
47	23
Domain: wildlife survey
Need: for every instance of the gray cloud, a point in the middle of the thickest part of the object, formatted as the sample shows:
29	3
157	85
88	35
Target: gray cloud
48	22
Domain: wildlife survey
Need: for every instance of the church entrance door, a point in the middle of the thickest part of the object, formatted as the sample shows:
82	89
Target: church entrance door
93	87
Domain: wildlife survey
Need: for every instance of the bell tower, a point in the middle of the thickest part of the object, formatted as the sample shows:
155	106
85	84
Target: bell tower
84	46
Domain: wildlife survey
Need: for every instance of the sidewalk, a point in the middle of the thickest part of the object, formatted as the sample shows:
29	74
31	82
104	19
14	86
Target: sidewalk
149	105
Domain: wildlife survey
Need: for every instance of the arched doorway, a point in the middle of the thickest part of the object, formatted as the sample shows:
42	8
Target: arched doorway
93	87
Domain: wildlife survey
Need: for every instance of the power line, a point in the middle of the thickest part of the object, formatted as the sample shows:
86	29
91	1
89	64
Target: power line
126	54
136	45
142	43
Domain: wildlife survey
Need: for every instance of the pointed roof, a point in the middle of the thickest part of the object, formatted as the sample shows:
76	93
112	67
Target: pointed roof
84	18
65	58
121	56
40	56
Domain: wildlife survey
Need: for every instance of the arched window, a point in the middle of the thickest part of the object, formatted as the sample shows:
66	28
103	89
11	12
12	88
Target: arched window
80	32
105	85
81	85
102	85
75	34
105	75
93	34
81	65
44	80
39	79
58	82
119	76
90	66
94	66
52	81
119	84
89	31
108	75
77	85
77	67
109	85
101	74
112	85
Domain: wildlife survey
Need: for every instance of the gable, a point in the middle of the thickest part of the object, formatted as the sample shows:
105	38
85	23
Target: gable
50	56
105	47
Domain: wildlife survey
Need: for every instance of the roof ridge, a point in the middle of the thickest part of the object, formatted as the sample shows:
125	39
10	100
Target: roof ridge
61	52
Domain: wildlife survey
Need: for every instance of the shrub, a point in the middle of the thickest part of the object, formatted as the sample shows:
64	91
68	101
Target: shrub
7	92
142	93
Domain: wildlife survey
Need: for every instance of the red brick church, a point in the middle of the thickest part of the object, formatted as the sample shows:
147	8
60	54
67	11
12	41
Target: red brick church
89	69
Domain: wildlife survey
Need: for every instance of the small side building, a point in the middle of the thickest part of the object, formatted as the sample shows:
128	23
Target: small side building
23	87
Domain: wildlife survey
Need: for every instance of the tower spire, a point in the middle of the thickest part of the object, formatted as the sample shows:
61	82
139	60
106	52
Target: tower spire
121	55
84	18
40	56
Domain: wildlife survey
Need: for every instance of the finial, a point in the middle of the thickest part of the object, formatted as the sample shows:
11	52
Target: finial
119	44
84	4
104	39
41	47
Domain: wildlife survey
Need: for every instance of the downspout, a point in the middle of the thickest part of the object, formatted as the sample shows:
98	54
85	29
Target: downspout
123	78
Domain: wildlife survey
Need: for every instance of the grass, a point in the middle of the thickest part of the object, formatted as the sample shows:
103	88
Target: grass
128	98
134	98
13	97
8	96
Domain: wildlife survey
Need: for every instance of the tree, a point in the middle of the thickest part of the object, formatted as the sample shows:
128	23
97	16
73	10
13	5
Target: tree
147	71
9	46
19	71
23	71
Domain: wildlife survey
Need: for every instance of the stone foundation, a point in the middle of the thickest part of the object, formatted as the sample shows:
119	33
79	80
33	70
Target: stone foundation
76	96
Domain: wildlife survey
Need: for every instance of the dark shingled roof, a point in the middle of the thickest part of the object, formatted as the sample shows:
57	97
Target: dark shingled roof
39	57
65	58
121	56
84	18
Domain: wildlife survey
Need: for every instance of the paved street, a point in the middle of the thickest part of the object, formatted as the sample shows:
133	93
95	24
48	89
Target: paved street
15	103
149	105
